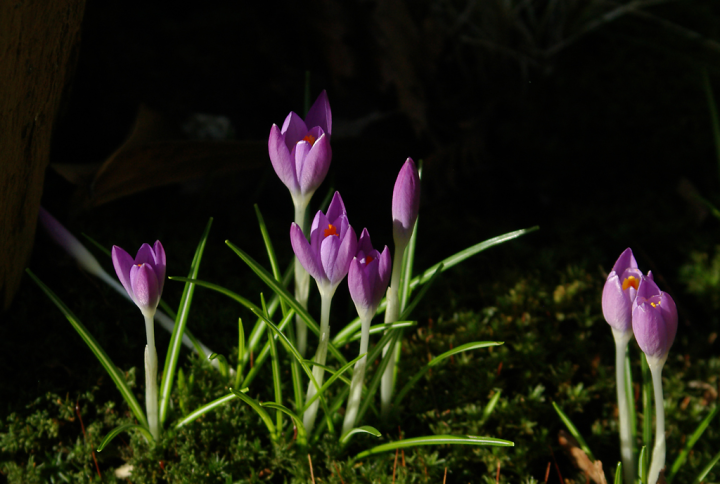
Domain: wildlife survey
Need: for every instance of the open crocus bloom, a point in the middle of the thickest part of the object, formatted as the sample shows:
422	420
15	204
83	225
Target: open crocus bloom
332	246
654	321
143	277
300	151
620	290
368	276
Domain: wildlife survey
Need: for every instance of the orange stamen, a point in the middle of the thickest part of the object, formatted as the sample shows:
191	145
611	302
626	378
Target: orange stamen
369	259
331	230
631	281
310	139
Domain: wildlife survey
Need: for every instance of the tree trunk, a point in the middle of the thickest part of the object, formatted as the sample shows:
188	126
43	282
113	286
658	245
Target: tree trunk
39	42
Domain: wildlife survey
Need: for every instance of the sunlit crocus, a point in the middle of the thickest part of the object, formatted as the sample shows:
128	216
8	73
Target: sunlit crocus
617	302
332	246
369	275
326	258
405	202
654	322
300	154
405	206
367	279
619	292
300	151
87	261
143	278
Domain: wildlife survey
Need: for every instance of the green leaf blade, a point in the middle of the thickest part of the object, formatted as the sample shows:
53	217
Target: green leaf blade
435	440
173	353
97	350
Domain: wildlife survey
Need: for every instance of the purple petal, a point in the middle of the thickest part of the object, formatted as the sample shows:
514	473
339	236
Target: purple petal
406	200
282	163
320	114
650	331
306	255
299	155
625	261
317	231
145	255
616	304
329	248
647	289
316	165
384	271
670	315
294	129
336	208
359	286
365	244
345	255
145	286
123	262
160	265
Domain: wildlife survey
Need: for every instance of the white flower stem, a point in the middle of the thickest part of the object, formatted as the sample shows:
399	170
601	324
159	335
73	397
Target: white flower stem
358	374
302	286
320	357
658	455
626	444
151	368
392	312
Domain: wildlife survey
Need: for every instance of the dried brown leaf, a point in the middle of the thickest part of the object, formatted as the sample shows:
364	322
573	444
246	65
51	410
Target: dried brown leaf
593	470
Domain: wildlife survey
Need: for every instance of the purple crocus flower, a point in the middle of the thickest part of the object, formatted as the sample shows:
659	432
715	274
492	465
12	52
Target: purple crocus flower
143	277
405	202
332	246
654	320
300	151
620	290
368	276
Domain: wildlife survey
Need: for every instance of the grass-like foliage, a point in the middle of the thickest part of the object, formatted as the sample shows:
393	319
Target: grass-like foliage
258	403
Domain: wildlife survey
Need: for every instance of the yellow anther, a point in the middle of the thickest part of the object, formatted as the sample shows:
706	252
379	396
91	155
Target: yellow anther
331	230
631	281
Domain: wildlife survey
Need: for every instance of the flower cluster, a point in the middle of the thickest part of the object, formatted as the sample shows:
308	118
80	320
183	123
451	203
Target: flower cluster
300	151
632	301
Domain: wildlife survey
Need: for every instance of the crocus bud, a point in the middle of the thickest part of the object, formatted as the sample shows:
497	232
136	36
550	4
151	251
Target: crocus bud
405	203
654	321
333	244
620	290
369	275
143	277
300	151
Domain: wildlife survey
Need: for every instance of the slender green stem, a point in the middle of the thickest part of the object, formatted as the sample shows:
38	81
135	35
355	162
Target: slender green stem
658	455
391	315
302	285
151	367
626	444
358	375
320	357
647	403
